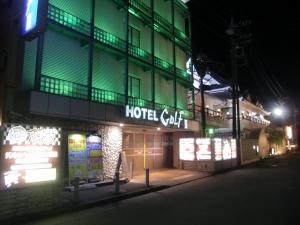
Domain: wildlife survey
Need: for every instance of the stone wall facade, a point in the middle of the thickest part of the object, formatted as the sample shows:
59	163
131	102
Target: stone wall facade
30	200
112	138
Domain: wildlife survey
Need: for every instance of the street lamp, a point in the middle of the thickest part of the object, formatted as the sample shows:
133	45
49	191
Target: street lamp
278	112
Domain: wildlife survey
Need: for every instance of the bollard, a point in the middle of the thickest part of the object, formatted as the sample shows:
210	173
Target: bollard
76	189
117	183
130	170
147	173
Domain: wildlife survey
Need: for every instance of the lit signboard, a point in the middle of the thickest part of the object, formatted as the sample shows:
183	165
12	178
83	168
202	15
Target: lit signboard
34	18
203	148
165	117
29	154
226	149
85	155
187	149
218	149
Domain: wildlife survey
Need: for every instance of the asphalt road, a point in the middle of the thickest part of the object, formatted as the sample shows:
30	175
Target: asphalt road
266	193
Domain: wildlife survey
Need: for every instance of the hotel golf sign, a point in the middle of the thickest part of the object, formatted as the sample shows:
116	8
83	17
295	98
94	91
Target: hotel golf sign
165	117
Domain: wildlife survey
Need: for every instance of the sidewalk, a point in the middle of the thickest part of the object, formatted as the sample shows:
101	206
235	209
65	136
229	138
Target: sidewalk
100	195
159	179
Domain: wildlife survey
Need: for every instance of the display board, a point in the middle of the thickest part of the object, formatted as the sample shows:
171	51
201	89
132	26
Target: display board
186	149
29	154
85	156
203	148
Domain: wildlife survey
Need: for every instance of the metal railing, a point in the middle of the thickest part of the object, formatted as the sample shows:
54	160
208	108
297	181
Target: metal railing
139	53
63	87
181	35
109	39
110	97
183	74
254	120
68	20
162	21
161	64
142	7
139	102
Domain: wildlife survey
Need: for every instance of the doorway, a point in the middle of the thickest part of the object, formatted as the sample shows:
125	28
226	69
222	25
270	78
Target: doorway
148	150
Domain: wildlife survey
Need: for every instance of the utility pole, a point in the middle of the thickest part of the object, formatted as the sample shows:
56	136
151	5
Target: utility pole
202	69
237	40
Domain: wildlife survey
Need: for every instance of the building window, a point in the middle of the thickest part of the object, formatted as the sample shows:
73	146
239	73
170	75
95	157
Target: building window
134	87
134	36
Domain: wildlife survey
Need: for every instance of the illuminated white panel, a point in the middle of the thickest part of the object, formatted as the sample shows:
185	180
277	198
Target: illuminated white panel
203	150
226	149
218	148
27	148
31	160
32	176
289	132
233	148
186	149
31	166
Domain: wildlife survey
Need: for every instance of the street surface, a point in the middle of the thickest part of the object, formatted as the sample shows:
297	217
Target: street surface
266	193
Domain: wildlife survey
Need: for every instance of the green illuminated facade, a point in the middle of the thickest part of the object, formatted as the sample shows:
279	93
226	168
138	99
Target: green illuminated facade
115	52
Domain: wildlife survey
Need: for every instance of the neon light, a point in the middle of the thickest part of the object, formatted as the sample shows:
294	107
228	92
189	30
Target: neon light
186	149
11	178
33	176
38	136
30	155
30	15
289	132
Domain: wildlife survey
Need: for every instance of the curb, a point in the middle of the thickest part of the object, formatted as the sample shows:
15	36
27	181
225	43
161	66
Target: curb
73	207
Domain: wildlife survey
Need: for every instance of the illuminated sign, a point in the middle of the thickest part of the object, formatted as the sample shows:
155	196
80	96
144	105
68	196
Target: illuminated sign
203	149
85	156
31	14
29	155
289	132
186	149
218	149
34	17
164	117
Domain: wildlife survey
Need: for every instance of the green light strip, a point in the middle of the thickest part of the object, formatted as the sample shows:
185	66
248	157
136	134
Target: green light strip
63	87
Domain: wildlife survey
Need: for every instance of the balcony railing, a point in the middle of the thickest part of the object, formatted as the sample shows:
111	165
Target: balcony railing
181	4
139	102
184	45
162	22
161	64
254	120
104	96
63	87
139	53
68	20
140	6
183	74
182	35
109	39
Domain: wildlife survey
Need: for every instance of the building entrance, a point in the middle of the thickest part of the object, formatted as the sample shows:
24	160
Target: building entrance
148	150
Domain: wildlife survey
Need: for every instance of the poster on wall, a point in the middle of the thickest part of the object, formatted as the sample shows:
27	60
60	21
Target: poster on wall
29	154
94	156
77	155
203	148
186	149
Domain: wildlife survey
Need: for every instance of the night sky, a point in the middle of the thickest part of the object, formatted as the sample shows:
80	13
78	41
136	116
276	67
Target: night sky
273	54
